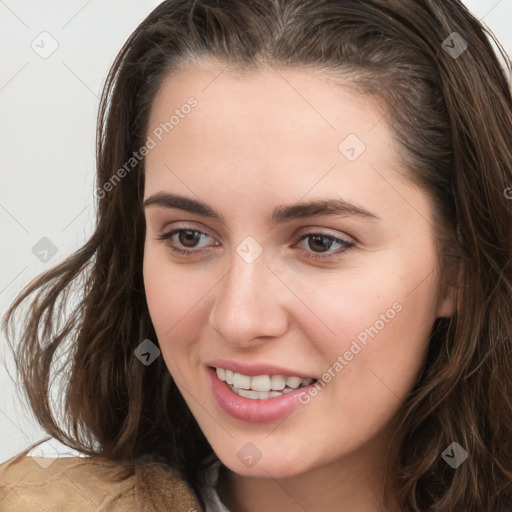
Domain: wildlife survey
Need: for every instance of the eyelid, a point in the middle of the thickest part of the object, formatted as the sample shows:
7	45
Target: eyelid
168	233
314	230
307	230
190	225
329	255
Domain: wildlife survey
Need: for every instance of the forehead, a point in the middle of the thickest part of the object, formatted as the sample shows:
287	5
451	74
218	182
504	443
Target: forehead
268	129
268	111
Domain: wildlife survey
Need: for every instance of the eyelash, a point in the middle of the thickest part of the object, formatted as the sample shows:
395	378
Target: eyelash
328	255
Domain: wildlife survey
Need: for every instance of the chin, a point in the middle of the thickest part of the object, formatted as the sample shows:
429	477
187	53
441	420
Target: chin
273	466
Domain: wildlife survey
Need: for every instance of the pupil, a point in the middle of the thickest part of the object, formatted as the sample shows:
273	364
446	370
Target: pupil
318	240
188	236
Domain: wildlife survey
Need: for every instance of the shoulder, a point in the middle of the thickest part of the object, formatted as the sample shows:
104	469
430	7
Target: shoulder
91	484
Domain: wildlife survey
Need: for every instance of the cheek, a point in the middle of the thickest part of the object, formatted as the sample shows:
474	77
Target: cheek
374	328
357	305
373	362
174	300
170	291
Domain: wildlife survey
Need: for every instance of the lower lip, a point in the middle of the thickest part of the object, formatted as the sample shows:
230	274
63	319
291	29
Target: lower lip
253	410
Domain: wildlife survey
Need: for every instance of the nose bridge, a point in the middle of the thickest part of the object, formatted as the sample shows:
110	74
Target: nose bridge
247	301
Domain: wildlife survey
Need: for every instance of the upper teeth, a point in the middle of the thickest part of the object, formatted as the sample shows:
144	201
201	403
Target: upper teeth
261	382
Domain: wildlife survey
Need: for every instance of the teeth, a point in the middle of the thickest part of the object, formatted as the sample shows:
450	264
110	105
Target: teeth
259	383
278	382
293	382
243	382
261	386
262	395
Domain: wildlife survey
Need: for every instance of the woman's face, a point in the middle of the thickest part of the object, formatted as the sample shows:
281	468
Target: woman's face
308	255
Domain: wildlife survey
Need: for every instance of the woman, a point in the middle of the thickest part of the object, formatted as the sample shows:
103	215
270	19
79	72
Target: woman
297	295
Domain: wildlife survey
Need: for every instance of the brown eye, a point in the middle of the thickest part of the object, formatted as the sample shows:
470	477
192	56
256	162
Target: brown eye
319	243
189	237
319	246
186	241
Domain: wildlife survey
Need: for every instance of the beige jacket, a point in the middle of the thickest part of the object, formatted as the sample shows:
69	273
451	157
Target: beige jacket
81	484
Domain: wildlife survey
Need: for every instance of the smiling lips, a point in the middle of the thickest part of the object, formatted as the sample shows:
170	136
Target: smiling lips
251	405
260	386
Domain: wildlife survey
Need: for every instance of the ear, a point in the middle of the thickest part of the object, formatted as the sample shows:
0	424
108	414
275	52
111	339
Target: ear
447	305
450	284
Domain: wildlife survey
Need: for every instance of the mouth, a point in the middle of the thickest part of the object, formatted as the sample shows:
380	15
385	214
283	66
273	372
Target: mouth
259	397
261	387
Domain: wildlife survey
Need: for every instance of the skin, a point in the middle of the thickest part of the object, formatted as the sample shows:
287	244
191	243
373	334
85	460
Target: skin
256	141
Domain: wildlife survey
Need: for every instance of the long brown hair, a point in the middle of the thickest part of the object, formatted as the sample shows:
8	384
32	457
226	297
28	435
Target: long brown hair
450	108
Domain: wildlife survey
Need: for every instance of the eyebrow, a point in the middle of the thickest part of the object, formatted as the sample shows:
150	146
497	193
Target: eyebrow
281	214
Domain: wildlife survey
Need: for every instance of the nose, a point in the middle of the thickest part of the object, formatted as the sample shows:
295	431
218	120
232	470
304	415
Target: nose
249	303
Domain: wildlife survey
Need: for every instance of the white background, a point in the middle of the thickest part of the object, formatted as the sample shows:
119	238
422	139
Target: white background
47	133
